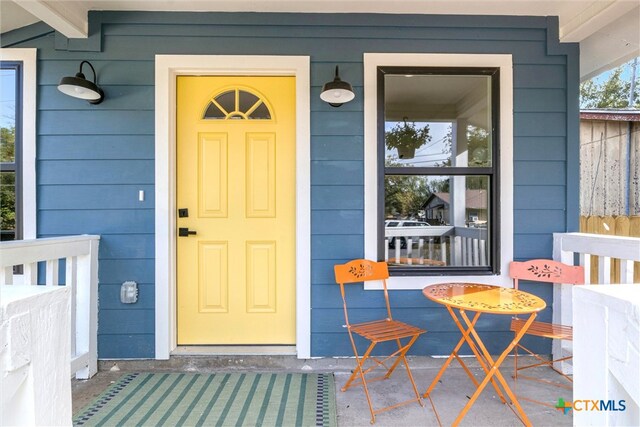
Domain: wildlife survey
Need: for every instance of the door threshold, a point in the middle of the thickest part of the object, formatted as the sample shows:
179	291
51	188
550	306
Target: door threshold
234	350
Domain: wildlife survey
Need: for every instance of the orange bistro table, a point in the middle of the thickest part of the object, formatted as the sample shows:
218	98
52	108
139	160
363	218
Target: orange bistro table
478	298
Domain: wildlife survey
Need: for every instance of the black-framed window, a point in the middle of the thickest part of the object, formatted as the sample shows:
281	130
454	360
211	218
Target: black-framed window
10	150
438	163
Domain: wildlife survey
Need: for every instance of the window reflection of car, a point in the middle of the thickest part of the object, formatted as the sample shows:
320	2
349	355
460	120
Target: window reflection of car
477	224
391	223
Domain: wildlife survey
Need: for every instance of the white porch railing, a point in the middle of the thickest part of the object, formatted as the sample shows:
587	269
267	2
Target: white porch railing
436	245
569	246
80	259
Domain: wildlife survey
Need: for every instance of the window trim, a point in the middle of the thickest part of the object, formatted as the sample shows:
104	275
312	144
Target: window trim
28	58
493	171
371	152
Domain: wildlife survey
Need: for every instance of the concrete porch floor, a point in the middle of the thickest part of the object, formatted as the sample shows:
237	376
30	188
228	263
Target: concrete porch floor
449	396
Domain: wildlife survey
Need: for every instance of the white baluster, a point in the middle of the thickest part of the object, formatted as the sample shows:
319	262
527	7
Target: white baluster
604	270
30	273
626	271
585	262
483	252
475	252
52	272
71	280
386	249
6	278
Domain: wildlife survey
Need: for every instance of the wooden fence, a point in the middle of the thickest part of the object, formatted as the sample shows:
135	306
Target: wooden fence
628	226
609	167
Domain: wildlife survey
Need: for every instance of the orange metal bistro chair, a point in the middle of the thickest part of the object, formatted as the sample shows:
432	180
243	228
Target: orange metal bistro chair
548	271
376	331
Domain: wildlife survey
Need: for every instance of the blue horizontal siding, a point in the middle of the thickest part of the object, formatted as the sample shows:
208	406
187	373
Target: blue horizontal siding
96	147
96	221
542	148
540	197
320	32
337	222
540	76
337	247
539	221
529	246
126	346
539	124
337	172
93	197
337	197
121	270
337	148
95	122
539	100
337	123
126	321
127	246
72	172
322	270
539	173
93	159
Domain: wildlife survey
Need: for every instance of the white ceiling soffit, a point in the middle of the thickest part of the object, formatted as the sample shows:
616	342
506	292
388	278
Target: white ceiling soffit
68	17
610	46
607	30
13	16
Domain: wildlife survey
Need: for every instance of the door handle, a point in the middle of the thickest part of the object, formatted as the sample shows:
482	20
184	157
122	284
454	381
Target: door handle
184	232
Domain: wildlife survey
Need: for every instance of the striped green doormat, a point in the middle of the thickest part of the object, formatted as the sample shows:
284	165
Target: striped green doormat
224	399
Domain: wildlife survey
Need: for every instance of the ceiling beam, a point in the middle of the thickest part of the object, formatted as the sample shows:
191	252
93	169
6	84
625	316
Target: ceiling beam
72	21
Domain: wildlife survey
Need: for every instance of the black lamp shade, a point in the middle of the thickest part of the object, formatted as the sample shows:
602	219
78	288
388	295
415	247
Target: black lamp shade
80	87
337	92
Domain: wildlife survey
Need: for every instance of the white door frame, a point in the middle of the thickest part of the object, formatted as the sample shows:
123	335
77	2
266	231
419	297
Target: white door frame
168	67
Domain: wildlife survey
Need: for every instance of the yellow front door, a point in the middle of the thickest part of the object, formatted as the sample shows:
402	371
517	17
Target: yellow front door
236	191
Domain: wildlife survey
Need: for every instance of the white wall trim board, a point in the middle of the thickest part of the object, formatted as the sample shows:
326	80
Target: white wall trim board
28	57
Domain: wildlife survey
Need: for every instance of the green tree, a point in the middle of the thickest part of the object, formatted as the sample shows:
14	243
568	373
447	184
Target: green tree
7	144
404	194
612	93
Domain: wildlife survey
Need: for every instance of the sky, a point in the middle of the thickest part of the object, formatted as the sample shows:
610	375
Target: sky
626	73
7	97
432	152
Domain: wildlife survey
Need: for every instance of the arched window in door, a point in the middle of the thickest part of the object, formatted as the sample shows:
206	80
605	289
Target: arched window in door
237	104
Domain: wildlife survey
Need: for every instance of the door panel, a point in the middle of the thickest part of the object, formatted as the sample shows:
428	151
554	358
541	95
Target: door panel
261	277
261	176
236	176
212	175
213	277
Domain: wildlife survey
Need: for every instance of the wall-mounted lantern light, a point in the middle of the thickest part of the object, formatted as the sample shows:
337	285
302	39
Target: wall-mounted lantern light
80	87
337	92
